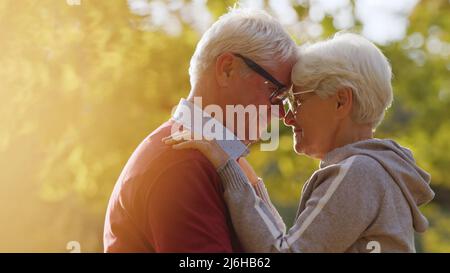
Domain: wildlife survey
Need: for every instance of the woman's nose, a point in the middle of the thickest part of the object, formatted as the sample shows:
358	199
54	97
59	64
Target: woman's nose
289	119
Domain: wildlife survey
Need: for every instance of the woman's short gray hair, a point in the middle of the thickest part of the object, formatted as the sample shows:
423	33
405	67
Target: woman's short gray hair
348	60
252	33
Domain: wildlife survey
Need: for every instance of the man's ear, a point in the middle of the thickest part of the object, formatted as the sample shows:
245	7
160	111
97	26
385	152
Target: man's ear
225	67
344	101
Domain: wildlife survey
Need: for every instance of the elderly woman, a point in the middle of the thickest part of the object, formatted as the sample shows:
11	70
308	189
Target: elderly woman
366	193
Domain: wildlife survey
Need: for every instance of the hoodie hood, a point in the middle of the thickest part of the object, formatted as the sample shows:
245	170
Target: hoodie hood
399	163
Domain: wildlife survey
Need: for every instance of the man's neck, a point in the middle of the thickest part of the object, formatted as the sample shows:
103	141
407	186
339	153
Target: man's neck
201	98
203	103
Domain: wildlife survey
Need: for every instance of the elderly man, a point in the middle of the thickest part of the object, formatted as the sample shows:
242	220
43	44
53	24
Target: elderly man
366	194
172	201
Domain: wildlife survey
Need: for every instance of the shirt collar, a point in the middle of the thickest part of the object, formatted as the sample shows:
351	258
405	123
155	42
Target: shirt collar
186	113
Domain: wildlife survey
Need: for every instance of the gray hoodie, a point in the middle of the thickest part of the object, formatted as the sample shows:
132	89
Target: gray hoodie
364	198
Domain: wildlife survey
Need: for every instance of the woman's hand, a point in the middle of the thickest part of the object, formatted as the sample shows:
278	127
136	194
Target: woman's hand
248	170
209	148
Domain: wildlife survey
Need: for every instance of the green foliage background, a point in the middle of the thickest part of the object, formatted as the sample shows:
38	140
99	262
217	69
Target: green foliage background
81	86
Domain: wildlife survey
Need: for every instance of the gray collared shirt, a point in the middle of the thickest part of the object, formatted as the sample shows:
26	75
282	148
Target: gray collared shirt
194	118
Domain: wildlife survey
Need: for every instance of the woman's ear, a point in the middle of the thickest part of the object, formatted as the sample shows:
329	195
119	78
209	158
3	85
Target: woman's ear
225	67
344	101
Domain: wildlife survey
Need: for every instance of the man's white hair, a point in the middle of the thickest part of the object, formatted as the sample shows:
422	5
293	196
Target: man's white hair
252	33
348	60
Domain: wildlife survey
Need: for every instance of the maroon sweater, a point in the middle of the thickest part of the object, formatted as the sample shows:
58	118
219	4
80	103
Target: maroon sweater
168	200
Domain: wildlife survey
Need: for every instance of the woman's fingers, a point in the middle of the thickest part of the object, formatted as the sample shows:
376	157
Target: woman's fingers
186	144
209	148
171	141
177	137
201	145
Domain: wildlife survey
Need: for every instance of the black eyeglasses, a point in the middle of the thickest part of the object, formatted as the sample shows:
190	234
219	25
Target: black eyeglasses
282	91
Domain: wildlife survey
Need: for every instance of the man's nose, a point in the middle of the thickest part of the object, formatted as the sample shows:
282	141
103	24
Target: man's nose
289	119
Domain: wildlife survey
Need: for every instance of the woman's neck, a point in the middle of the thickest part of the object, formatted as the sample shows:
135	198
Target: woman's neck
353	133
